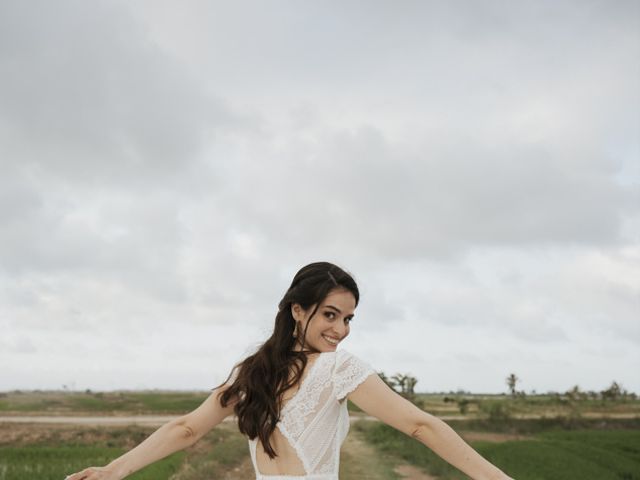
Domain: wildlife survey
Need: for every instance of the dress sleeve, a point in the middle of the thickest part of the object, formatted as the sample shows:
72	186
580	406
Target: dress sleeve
350	371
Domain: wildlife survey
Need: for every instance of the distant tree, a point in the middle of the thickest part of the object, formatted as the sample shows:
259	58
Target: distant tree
511	383
463	405
404	384
614	392
384	378
389	381
574	394
411	383
401	381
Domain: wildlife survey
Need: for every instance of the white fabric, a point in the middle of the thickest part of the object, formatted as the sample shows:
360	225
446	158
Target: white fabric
315	420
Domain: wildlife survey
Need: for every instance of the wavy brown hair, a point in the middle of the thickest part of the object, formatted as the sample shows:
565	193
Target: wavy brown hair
262	378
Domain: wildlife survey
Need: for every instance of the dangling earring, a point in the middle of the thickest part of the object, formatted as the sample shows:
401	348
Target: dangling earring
295	331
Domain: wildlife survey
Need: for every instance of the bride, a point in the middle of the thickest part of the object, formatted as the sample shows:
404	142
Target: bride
290	396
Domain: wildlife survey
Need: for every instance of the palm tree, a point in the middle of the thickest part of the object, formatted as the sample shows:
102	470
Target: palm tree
511	383
613	392
401	381
411	383
387	380
574	393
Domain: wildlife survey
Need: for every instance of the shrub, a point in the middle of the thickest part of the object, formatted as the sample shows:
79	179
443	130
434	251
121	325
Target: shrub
498	412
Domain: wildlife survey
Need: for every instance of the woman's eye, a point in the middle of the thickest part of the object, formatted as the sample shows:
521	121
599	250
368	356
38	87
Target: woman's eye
332	315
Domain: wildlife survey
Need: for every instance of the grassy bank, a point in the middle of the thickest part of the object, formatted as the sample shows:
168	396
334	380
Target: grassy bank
54	463
51	452
168	402
549	453
100	402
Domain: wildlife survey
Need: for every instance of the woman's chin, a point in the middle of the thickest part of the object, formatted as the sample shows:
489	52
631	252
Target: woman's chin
328	347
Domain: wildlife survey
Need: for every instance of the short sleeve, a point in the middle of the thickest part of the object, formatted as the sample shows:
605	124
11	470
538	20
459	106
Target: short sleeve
350	371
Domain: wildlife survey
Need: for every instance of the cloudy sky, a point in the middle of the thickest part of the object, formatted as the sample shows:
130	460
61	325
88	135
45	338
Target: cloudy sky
167	168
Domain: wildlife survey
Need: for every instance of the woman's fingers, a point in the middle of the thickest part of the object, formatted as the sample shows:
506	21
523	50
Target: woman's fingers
74	476
83	475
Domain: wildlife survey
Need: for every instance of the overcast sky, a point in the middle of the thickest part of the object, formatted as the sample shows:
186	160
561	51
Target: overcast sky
166	168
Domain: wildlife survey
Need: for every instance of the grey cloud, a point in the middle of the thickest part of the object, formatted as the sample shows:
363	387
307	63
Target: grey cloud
362	192
169	167
19	345
99	233
87	96
377	37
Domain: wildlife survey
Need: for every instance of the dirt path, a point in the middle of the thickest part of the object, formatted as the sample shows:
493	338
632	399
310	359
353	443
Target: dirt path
409	472
492	437
359	460
157	420
241	472
146	420
115	420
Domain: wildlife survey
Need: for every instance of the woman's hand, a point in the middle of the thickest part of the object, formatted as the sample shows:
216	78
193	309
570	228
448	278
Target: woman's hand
94	473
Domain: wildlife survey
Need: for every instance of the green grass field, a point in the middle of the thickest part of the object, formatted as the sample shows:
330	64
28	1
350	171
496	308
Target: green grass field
548	455
54	463
561	444
99	402
44	452
583	454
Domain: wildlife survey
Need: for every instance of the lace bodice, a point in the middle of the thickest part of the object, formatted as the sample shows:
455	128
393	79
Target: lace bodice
315	421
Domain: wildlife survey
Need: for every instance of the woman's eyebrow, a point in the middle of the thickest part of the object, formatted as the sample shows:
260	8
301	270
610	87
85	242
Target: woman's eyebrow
335	308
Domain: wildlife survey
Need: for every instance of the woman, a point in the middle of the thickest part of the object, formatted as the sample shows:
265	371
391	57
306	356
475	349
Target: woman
290	396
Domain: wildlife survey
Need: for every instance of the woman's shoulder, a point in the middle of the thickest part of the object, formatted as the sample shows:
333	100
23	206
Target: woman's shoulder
346	357
338	355
345	354
349	372
340	359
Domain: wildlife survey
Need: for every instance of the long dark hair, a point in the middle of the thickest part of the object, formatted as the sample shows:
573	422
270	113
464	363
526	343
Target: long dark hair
262	378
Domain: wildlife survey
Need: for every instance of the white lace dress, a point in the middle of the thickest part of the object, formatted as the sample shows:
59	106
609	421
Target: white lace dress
315	420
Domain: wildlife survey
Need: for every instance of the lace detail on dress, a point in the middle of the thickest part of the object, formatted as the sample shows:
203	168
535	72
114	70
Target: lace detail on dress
351	371
294	414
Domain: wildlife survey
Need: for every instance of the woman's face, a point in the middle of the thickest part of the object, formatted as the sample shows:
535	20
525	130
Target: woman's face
329	325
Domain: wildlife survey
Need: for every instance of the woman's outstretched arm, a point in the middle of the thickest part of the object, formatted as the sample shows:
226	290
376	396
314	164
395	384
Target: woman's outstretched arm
172	437
376	398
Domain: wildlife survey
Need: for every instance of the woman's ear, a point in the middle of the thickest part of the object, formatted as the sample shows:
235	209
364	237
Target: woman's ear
296	312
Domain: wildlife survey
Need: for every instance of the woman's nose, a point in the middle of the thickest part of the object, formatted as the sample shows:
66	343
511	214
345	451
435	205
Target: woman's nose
341	331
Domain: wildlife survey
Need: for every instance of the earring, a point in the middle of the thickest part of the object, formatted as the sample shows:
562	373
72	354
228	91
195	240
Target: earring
295	331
